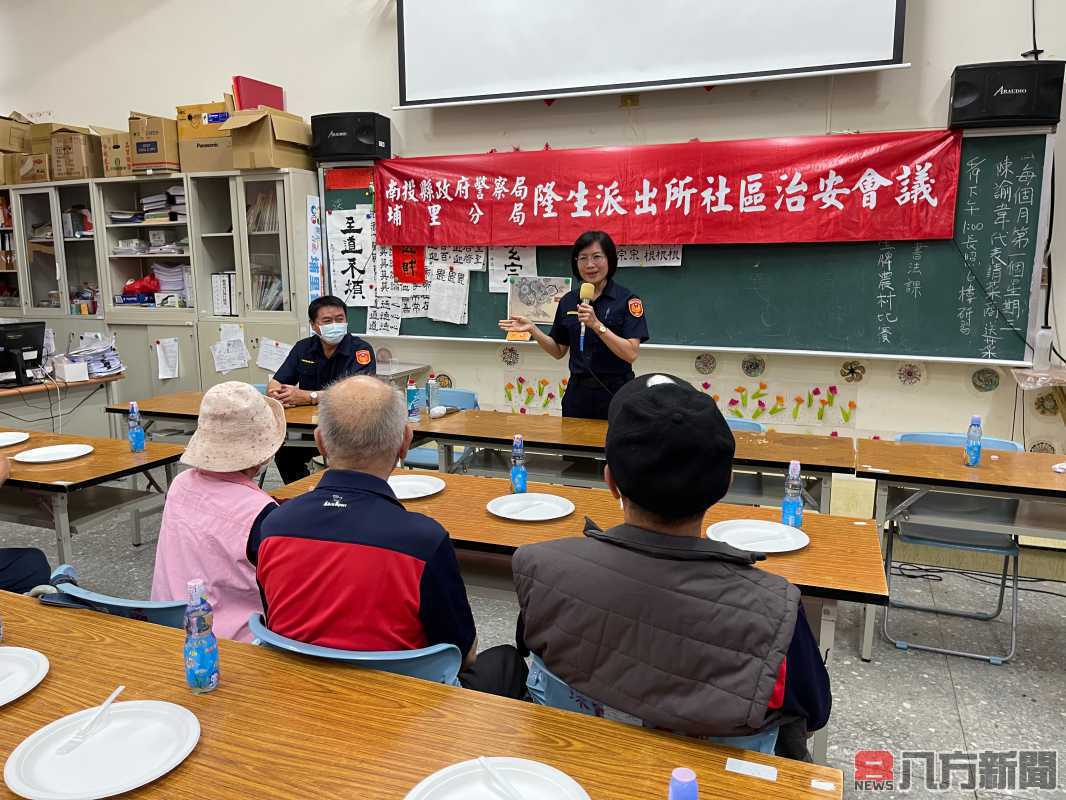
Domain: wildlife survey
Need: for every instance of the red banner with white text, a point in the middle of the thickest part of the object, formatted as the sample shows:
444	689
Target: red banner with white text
846	187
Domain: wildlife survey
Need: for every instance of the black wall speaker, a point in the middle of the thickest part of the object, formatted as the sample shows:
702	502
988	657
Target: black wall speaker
350	135
1006	93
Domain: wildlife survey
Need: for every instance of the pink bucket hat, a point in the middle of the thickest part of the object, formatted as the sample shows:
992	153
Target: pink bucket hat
237	428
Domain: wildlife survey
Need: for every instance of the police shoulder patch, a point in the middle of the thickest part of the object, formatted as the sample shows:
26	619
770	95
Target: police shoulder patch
636	308
362	357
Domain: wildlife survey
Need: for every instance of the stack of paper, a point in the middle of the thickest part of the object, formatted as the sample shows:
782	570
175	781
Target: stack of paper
130	247
172	278
101	358
178	209
118	216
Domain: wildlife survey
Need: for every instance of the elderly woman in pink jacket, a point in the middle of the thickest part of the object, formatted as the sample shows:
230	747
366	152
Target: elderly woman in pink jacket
212	509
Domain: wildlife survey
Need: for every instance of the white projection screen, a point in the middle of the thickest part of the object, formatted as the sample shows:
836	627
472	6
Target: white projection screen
483	51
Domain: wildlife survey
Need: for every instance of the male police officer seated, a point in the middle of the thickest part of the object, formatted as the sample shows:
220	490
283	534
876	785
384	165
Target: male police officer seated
312	365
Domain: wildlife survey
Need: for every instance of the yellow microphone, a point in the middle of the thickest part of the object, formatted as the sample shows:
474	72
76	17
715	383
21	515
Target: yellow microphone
588	291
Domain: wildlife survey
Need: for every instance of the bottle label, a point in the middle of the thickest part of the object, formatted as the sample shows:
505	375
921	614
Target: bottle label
792	512
518	479
973	454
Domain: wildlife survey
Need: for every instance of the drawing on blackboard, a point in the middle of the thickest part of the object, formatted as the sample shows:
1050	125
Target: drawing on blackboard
536	297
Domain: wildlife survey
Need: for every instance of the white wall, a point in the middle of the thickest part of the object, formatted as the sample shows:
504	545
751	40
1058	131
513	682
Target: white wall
93	62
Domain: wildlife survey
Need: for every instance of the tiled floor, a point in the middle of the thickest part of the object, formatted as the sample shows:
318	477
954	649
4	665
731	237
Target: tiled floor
899	701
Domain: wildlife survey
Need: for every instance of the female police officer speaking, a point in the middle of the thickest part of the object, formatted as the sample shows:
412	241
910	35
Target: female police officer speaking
614	328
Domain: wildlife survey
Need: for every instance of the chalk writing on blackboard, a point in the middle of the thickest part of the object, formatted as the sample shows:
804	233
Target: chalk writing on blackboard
913	286
968	290
886	294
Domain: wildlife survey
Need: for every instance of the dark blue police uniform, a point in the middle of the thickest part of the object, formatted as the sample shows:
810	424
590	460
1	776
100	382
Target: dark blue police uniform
597	373
308	368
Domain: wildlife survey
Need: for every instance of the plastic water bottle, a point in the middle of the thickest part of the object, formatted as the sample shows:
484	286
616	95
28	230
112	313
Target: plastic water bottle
518	465
683	785
431	391
973	442
792	504
414	412
136	432
201	646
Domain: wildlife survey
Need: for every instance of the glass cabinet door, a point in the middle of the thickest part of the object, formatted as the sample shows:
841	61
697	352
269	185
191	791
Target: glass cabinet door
264	241
42	244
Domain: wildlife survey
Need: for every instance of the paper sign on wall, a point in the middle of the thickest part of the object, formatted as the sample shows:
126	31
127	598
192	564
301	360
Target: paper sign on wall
650	255
229	355
473	258
384	317
506	262
350	239
449	298
314	247
166	353
272	354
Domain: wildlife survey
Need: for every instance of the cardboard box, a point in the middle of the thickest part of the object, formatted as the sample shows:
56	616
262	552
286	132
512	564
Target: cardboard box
153	143
206	155
114	152
41	135
266	137
33	167
204	120
76	155
9	168
14	134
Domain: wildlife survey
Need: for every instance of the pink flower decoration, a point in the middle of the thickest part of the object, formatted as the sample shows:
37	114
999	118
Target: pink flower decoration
706	385
733	402
834	433
815	391
522	410
832	390
877	438
762	404
551	395
521	379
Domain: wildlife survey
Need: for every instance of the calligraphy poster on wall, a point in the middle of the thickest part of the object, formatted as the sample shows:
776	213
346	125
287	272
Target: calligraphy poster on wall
350	239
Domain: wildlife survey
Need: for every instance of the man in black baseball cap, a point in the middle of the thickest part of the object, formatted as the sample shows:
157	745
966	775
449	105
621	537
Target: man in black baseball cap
652	619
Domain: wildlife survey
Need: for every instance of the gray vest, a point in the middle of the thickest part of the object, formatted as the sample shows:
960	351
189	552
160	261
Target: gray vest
684	633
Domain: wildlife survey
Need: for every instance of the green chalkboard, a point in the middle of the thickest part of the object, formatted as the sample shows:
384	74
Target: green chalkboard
964	299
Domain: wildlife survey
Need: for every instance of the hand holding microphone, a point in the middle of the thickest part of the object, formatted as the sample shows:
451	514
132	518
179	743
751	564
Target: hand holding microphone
588	291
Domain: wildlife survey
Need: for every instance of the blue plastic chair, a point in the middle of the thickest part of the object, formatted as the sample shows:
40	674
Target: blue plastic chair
170	613
953	507
439	663
547	689
426	457
736	424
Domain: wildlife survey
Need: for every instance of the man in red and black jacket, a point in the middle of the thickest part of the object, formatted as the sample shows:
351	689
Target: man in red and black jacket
347	566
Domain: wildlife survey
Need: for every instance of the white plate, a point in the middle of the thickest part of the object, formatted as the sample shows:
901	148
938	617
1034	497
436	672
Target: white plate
410	487
20	670
142	740
467	780
8	438
758	535
531	507
56	452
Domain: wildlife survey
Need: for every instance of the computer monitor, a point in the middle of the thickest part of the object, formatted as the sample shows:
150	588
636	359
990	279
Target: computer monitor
21	349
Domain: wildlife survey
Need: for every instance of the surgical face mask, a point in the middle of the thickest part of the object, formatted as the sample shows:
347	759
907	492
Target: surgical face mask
332	332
